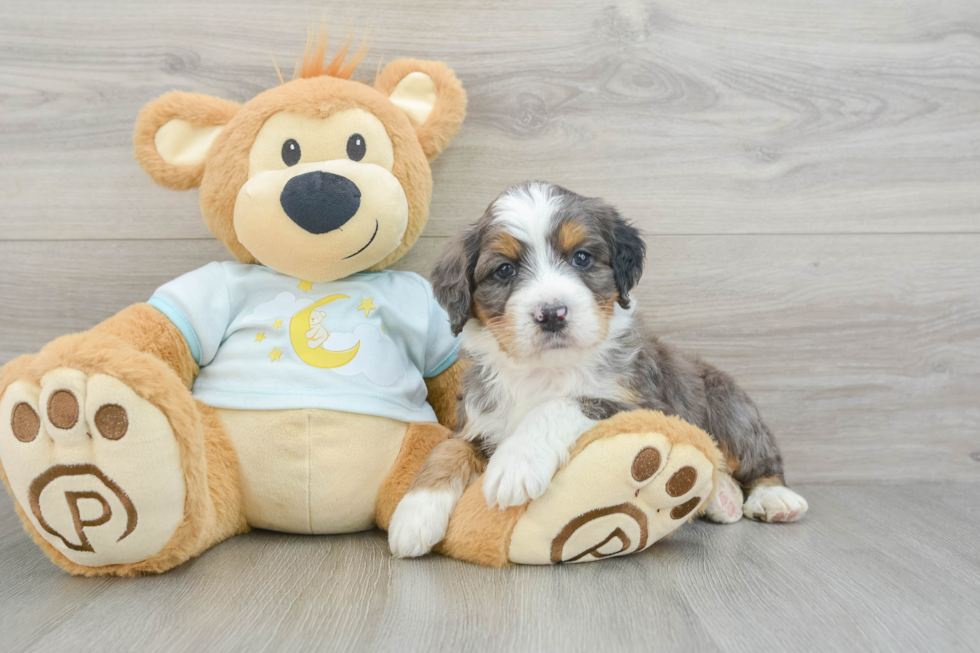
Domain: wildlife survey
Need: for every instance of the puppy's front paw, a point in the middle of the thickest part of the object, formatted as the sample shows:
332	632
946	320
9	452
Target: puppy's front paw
775	503
518	473
420	522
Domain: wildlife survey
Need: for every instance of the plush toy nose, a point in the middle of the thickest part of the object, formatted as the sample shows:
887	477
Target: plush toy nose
320	201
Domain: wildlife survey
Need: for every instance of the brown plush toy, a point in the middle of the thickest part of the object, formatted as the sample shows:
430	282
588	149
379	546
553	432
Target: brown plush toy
300	388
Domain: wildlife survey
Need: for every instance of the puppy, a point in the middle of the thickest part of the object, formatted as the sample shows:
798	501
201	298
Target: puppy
539	287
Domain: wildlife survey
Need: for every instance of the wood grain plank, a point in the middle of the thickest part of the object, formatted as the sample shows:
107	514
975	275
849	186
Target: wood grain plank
778	117
803	580
863	352
877	568
22	566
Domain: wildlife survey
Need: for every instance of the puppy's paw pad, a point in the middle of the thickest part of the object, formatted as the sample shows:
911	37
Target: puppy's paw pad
725	503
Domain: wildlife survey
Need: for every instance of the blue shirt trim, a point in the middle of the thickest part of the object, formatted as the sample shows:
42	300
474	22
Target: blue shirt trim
445	364
182	323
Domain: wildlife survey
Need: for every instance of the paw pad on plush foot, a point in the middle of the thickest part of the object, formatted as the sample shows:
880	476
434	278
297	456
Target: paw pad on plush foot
95	467
619	495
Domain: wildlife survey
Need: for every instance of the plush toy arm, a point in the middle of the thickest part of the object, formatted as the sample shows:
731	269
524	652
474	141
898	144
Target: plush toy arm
444	392
148	330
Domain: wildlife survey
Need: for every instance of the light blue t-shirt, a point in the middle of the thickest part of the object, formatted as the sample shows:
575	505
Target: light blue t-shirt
267	341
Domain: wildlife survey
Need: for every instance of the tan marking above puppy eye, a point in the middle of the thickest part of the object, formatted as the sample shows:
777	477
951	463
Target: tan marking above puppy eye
570	235
507	245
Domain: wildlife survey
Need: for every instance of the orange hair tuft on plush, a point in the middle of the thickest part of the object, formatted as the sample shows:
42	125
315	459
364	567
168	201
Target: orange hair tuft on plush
313	62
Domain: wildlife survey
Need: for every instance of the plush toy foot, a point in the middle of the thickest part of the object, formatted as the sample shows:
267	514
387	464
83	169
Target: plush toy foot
618	495
94	467
725	503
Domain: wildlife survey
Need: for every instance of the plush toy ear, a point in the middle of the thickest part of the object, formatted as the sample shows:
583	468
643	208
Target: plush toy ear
430	95
174	134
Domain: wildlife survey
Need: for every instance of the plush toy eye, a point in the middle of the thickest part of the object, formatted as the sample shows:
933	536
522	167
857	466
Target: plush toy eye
290	152
581	259
505	271
356	147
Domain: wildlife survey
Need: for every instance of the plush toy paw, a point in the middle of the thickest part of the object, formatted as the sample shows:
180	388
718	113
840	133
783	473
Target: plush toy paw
725	503
619	495
774	503
95	467
420	522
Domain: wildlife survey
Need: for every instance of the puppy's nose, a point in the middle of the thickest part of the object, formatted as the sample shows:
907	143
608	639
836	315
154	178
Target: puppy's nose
320	201
550	318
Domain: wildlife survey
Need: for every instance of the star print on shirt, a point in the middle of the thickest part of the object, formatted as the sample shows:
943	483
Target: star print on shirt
277	324
367	306
305	286
276	353
259	337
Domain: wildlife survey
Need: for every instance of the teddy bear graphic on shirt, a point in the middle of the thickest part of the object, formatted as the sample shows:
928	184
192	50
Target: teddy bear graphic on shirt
317	334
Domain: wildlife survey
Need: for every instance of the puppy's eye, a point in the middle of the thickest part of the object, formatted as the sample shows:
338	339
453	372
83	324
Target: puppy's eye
356	147
290	152
505	271
581	259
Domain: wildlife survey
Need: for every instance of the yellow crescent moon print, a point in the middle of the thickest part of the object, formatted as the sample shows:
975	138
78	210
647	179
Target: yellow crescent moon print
317	357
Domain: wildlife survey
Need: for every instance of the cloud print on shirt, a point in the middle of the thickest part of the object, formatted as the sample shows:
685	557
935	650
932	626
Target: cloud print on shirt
378	358
283	306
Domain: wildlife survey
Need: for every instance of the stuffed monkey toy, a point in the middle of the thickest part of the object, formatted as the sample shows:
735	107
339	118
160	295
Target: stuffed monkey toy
301	387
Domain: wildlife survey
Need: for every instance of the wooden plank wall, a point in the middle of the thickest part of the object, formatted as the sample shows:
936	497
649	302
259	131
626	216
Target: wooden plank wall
807	176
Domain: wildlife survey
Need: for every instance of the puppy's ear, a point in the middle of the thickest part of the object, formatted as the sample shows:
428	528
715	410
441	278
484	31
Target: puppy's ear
452	277
628	252
174	134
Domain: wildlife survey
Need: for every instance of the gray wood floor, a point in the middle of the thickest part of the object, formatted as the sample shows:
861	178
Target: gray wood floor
807	175
872	568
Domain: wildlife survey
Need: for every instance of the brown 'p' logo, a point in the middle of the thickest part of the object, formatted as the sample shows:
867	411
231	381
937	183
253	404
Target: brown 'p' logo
72	498
627	509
